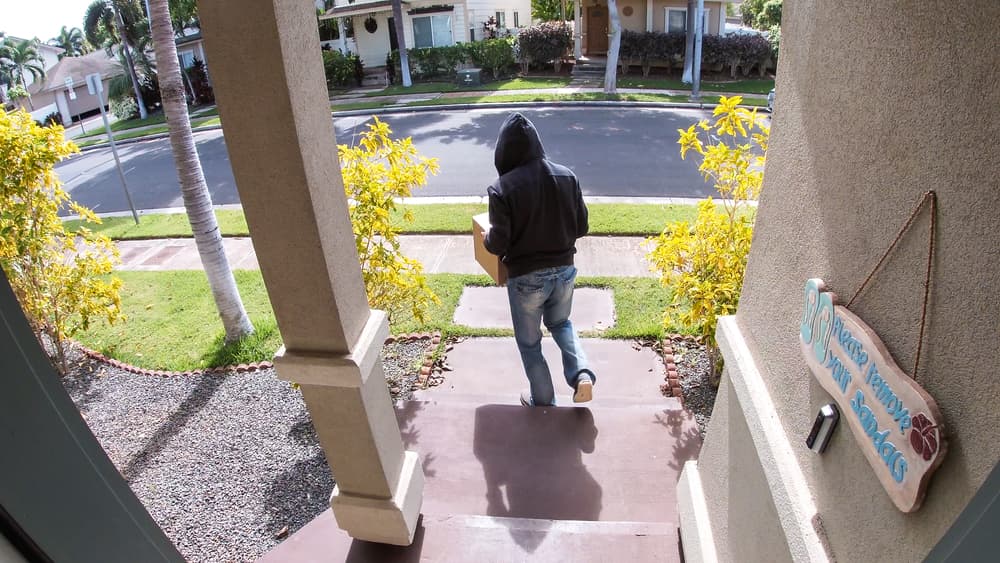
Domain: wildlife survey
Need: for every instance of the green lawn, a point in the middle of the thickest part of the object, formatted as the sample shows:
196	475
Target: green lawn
151	120
751	86
172	322
442	87
435	218
131	134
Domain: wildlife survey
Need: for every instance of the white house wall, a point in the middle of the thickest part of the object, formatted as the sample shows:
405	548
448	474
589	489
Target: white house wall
481	10
466	15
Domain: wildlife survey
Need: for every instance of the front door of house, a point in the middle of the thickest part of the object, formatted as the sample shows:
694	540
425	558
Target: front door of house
393	41
597	30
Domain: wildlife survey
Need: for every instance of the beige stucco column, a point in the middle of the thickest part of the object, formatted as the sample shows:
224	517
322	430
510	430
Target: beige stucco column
272	97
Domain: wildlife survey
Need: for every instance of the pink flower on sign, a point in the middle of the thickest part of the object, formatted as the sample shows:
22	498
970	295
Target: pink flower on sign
923	437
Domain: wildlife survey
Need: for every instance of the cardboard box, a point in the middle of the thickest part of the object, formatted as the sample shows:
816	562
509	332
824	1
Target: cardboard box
490	262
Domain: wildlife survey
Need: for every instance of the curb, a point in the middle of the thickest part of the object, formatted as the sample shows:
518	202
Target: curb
428	361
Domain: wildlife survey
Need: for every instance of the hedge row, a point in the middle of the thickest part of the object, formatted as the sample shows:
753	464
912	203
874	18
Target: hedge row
738	51
494	55
538	45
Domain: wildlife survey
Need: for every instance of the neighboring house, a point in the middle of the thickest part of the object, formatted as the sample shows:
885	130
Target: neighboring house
426	23
52	94
189	48
50	56
643	15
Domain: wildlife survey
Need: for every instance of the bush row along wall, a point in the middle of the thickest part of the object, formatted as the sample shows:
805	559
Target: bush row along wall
737	51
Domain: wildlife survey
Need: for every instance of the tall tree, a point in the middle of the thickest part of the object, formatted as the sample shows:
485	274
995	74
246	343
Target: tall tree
23	58
611	72
117	22
197	201
70	40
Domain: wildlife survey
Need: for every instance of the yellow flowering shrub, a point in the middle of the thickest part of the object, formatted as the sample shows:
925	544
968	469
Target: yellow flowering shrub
60	278
704	262
376	172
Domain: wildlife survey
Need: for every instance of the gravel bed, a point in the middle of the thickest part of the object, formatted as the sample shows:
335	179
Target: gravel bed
226	463
693	369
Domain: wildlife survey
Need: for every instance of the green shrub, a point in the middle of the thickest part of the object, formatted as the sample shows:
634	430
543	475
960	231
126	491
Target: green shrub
435	62
54	118
645	47
124	108
341	70
745	51
543	43
496	55
203	92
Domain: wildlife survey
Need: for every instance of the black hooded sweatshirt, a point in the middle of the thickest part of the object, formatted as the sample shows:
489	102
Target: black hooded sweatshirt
536	207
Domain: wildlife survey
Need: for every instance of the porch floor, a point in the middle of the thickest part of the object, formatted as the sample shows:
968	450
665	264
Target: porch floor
507	483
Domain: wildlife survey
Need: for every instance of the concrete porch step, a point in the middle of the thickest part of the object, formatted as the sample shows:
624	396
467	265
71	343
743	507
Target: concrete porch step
509	483
459	539
555	463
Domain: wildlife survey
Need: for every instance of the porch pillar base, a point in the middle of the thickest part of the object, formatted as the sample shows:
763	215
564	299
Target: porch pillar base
392	521
695	524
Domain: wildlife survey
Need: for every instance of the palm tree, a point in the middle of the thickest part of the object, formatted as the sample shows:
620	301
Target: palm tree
193	188
611	72
23	58
70	39
117	22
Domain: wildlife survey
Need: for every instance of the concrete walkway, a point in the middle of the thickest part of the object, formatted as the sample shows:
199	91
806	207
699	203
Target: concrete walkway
440	254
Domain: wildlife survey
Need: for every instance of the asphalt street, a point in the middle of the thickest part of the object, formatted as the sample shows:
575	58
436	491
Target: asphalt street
614	152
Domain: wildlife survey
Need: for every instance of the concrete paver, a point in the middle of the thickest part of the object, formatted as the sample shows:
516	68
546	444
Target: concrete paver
488	307
491	367
452	254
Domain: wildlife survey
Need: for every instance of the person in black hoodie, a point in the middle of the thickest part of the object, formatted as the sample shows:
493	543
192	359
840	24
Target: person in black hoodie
536	215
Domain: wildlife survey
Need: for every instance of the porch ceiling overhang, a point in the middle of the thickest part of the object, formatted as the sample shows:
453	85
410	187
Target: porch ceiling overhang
360	9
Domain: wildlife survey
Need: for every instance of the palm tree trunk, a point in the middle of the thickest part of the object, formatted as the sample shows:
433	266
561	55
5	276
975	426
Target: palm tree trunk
611	72
127	49
193	188
24	84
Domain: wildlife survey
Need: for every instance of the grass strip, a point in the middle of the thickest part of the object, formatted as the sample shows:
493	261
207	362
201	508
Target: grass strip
159	119
162	225
172	323
634	219
751	86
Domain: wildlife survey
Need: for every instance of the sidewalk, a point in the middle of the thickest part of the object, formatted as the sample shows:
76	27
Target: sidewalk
440	254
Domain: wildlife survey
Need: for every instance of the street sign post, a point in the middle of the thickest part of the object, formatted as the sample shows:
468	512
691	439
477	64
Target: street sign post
96	87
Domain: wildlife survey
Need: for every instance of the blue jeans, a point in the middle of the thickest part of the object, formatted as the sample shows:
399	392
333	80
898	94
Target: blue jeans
546	295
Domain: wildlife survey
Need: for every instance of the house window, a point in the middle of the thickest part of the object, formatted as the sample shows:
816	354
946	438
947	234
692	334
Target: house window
502	19
676	20
187	59
432	31
517	20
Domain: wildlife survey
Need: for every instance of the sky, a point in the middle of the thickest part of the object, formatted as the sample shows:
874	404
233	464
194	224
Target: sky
40	18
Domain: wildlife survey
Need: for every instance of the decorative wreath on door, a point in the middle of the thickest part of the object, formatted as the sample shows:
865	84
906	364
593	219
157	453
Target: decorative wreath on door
371	25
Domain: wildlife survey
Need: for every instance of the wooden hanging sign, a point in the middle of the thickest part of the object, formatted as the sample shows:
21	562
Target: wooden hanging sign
896	423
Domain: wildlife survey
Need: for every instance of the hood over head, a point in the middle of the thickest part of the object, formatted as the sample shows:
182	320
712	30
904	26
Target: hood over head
517	144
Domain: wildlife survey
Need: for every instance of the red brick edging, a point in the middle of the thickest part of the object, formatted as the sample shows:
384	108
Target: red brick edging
672	387
428	362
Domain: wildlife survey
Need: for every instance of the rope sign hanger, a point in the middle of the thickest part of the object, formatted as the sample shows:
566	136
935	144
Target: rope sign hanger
929	196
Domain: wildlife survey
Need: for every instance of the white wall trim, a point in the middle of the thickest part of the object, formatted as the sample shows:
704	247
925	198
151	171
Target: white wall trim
696	526
792	498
